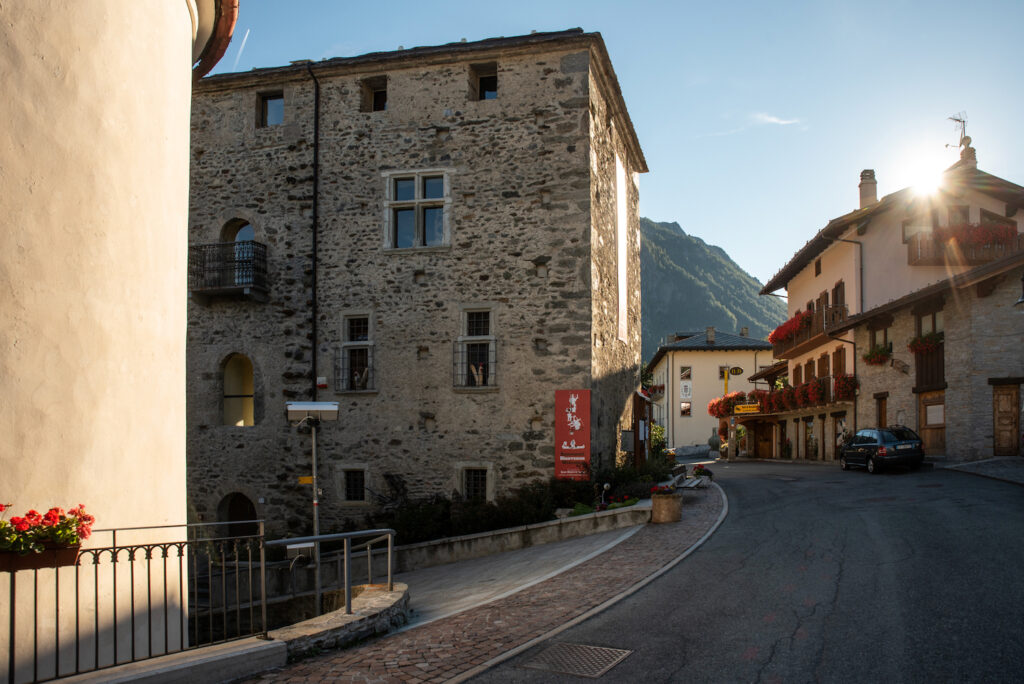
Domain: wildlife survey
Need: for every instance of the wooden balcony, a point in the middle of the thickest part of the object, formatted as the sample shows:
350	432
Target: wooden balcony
923	249
228	269
812	336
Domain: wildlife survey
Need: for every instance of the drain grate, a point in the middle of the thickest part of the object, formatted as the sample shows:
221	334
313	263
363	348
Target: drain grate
577	659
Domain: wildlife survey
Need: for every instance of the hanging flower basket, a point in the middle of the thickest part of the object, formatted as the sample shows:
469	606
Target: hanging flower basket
925	344
877	356
36	540
845	387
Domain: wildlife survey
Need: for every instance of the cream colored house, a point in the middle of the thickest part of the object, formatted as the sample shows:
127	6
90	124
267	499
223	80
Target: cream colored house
94	161
691	370
895	269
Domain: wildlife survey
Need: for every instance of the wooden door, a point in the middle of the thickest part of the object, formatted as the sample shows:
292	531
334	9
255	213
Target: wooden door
932	421
1006	420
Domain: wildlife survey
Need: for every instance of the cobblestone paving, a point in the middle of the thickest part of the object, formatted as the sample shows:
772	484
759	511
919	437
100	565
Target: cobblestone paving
441	650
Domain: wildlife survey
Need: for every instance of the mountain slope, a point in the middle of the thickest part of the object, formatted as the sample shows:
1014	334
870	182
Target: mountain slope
689	285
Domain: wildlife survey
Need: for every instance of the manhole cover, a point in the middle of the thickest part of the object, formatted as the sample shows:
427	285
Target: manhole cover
577	659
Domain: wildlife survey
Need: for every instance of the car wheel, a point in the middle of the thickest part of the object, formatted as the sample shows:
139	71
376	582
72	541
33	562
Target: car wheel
843	464
872	466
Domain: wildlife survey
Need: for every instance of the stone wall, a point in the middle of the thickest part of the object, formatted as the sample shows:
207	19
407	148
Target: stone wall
530	237
982	342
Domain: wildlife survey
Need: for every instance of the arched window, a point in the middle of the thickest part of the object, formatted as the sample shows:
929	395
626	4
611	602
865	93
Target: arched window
243	235
239	391
237	510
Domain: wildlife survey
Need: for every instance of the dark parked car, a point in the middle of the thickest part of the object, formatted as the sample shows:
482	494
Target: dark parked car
876	448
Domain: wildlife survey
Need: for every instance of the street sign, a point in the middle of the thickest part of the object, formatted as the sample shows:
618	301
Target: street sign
747	408
735	370
305	479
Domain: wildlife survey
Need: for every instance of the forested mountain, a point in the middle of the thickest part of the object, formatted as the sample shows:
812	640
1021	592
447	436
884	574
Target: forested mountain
689	285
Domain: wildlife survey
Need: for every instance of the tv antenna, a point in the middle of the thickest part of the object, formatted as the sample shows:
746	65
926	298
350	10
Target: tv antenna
961	123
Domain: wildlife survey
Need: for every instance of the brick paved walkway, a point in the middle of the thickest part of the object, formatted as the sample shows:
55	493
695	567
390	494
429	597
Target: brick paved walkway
444	649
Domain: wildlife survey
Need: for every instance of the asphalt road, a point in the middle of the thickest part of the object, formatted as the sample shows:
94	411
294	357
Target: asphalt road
820	575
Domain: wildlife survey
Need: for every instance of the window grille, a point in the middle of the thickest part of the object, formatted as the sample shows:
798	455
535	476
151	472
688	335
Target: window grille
353	369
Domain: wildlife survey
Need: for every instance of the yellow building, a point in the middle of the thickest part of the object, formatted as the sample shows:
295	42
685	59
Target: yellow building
693	369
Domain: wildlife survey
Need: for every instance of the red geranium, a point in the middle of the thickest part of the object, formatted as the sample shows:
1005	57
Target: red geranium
33	531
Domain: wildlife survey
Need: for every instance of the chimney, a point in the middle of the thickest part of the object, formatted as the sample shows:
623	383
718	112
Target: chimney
711	334
868	188
744	332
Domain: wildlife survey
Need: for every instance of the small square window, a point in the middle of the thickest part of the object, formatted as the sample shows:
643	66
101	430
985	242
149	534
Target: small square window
485	80
355	485
271	109
684	372
475	484
478	323
684	408
358	329
817	267
375	94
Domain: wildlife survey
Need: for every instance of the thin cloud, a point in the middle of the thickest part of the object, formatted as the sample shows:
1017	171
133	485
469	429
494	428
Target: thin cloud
764	118
755	119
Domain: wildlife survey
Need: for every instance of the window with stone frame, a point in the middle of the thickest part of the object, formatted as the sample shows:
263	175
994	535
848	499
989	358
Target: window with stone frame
354	365
417	207
475	353
474	484
271	109
355	484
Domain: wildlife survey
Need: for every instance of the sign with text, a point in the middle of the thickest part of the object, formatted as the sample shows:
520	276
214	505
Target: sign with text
572	434
747	408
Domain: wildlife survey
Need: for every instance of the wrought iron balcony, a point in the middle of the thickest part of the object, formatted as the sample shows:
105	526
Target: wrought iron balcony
228	268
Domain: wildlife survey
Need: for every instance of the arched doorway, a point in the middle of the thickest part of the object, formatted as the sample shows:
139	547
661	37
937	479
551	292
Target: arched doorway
236	509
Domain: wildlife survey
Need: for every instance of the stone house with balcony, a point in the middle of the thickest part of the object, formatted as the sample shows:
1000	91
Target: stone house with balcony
436	238
912	296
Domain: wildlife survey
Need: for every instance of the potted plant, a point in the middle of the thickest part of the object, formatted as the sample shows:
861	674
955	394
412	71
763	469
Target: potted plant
877	356
666	505
845	387
700	470
925	344
42	540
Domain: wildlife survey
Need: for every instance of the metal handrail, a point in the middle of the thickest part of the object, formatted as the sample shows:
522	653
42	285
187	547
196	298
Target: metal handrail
346	538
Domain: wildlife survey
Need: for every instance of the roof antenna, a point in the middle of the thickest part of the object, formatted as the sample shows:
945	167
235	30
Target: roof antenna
961	123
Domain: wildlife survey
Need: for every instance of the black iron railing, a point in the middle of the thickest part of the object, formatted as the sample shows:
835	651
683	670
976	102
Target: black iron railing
227	267
475	363
353	369
121	603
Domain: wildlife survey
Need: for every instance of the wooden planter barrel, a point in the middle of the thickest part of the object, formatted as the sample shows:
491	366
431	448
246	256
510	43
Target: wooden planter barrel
666	508
50	557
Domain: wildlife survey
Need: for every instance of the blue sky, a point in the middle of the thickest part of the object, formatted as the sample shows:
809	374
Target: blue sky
756	118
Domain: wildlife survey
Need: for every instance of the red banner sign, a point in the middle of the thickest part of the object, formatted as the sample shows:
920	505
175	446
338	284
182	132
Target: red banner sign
572	434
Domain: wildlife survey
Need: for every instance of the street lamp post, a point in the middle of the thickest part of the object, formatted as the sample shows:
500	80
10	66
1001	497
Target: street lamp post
311	413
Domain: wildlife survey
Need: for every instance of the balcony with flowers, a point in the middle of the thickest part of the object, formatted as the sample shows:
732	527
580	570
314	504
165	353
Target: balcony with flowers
969	244
822	391
804	331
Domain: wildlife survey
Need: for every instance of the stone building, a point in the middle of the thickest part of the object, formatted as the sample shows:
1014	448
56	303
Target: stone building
903	310
436	238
